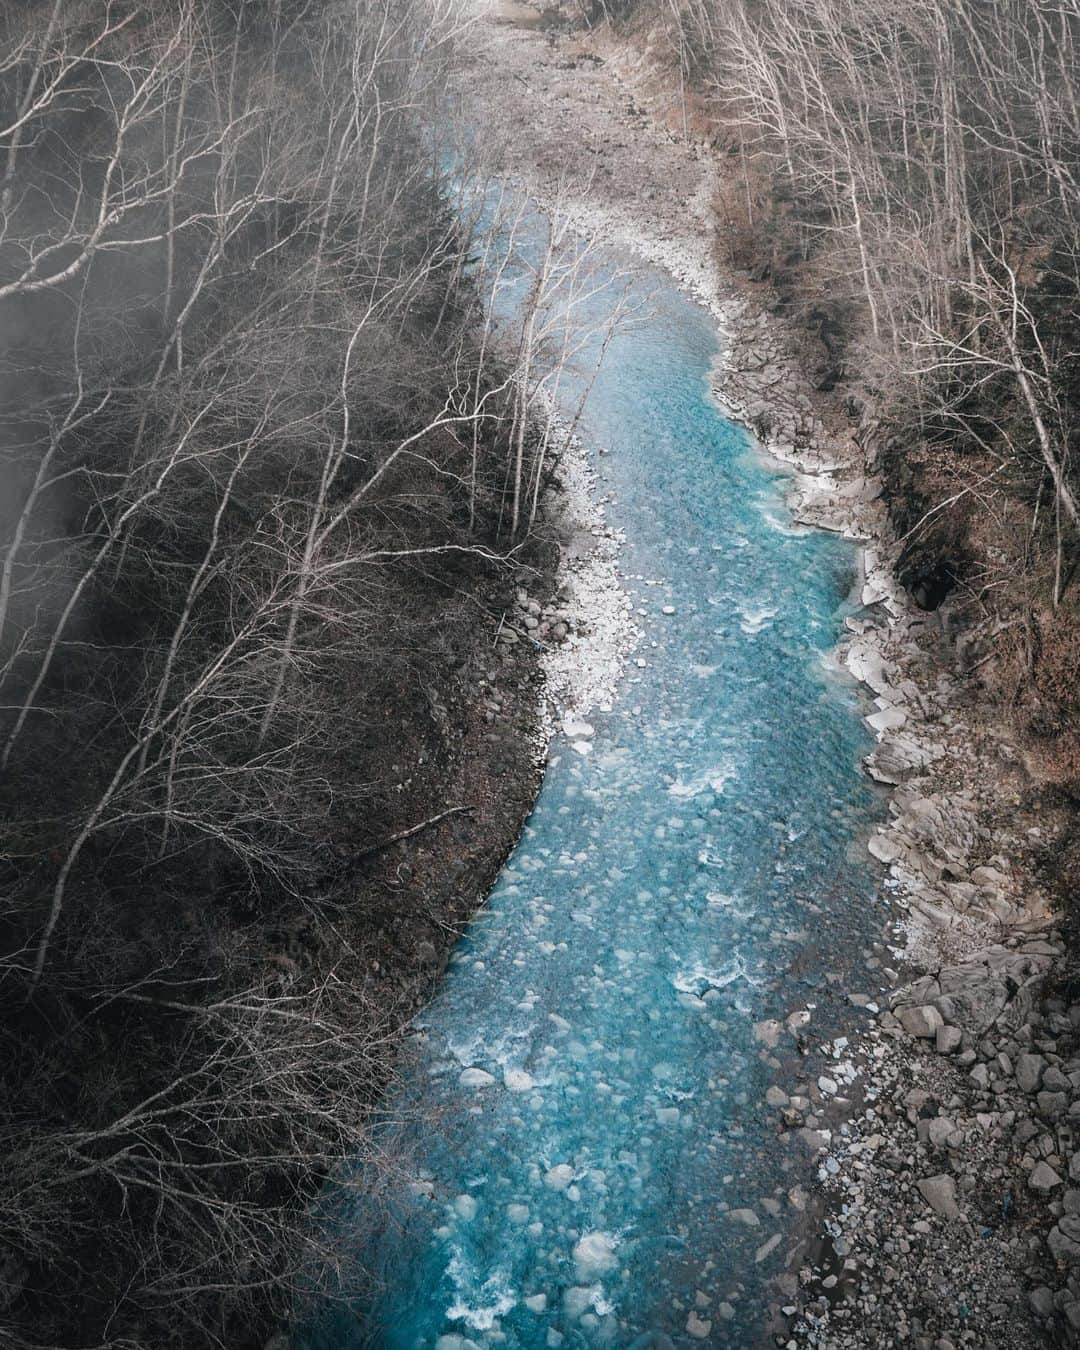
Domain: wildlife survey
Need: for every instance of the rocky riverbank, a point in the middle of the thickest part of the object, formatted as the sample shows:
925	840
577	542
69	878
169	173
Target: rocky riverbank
948	1173
949	1176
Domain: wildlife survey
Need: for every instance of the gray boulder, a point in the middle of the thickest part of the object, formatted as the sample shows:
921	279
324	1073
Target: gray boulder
1052	1105
1064	1240
948	1040
1043	1178
1029	1070
924	1021
940	1194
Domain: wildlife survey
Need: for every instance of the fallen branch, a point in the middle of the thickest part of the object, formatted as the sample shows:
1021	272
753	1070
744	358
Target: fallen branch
407	834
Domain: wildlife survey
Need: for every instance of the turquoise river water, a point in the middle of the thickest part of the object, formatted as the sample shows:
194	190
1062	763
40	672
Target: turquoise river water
588	1084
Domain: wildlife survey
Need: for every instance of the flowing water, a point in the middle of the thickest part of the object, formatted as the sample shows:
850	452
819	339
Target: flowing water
590	1081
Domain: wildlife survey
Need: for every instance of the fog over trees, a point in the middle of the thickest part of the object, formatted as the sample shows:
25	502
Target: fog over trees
262	474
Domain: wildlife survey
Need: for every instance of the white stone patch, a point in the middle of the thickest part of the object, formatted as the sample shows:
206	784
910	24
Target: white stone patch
465	1207
594	1254
559	1177
476	1078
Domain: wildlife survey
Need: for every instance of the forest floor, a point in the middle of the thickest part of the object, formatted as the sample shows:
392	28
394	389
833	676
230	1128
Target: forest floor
948	1211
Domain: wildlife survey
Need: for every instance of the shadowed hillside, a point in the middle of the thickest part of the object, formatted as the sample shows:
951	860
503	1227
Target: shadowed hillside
259	522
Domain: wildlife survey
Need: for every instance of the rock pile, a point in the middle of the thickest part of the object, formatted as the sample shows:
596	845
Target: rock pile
956	1193
549	624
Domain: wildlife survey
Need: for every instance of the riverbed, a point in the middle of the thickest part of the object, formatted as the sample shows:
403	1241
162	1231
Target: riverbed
592	1159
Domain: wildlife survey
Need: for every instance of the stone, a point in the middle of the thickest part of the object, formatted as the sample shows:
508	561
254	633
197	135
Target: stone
1074	1167
1064	1240
559	1177
948	1040
1042	1301
594	1254
697	1328
776	1097
1053	1080
577	1301
767	1248
1051	1105
939	1130
922	1022
466	1207
744	1216
976	1000
1026	1130
940	1194
476	1078
767	1033
1043	1178
1029	1070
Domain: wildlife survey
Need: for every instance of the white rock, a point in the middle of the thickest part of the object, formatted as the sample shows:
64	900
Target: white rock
889	719
767	1248
1043	1177
578	1300
465	1205
476	1078
560	1176
594	1254
697	1328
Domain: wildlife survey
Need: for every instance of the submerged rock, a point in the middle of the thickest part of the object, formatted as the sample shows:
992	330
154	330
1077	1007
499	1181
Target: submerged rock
476	1078
594	1254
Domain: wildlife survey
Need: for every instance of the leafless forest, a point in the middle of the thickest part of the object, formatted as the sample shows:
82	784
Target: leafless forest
261	476
906	176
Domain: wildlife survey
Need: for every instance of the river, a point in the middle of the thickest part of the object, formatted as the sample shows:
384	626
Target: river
589	1084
